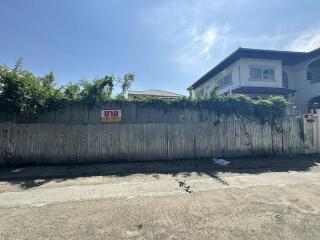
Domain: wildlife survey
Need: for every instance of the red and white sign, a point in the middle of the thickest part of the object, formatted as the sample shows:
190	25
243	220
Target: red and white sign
110	116
310	117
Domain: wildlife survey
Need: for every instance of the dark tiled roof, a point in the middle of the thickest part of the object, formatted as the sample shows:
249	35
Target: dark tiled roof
263	90
286	57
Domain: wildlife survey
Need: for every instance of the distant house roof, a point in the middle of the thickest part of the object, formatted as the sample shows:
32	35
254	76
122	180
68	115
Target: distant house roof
155	93
286	57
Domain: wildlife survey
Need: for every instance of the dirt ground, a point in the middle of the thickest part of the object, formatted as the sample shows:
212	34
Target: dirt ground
258	198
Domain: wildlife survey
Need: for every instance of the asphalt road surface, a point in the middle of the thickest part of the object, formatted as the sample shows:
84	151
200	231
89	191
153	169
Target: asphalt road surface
264	198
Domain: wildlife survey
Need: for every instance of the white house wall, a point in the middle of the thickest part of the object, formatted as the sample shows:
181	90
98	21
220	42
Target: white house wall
305	90
209	85
241	75
245	64
291	82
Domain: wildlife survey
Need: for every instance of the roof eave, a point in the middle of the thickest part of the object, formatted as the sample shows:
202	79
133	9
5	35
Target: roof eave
200	79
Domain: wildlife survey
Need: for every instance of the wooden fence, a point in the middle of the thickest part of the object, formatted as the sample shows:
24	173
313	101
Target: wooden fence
76	135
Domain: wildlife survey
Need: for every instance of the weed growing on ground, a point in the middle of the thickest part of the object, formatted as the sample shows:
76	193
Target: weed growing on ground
186	187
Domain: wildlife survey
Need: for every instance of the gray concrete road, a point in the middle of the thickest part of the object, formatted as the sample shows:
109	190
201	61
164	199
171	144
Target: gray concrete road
264	198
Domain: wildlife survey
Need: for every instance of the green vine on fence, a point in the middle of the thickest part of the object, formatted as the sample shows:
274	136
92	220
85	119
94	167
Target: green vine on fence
22	92
265	110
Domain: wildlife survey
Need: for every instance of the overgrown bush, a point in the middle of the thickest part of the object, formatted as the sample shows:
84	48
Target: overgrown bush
23	92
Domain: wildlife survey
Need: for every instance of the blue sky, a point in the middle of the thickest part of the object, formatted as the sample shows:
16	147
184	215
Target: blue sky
168	43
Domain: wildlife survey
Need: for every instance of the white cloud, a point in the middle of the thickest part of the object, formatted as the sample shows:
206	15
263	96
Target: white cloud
196	35
198	47
306	41
188	30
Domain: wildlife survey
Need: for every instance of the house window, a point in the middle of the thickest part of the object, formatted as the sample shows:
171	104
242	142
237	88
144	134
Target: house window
268	74
312	79
309	76
285	80
255	73
313	72
262	74
225	81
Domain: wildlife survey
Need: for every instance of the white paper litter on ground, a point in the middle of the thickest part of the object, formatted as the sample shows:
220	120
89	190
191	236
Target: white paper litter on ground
17	170
221	162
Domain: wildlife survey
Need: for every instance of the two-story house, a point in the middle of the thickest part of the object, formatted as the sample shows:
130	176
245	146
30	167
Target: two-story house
261	73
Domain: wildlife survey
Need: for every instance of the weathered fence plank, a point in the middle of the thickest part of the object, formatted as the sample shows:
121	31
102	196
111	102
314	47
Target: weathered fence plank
76	135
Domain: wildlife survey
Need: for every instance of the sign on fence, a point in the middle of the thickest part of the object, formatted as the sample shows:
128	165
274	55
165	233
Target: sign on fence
110	116
310	117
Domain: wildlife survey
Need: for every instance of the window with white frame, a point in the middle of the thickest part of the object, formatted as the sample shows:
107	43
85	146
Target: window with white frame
225	81
258	73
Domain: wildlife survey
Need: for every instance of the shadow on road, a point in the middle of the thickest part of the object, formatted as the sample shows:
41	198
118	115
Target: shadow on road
33	176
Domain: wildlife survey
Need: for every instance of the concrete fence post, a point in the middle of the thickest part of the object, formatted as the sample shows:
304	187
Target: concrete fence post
317	130
311	126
